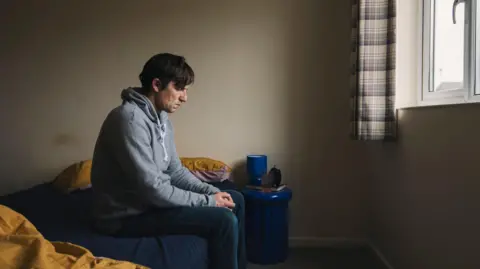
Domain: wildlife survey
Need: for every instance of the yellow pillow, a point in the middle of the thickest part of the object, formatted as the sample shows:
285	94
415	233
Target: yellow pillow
74	177
207	169
77	176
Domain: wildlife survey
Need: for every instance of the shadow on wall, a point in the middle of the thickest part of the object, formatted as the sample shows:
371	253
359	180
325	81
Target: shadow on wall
323	163
239	174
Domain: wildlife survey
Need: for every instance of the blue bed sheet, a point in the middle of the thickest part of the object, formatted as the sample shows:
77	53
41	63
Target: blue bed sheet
61	217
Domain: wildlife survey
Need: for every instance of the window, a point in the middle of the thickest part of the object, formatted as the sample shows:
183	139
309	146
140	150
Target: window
450	53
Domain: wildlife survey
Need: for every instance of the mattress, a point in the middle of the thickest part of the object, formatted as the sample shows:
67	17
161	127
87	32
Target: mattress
61	217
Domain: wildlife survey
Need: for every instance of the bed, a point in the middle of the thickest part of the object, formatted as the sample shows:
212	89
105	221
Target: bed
65	217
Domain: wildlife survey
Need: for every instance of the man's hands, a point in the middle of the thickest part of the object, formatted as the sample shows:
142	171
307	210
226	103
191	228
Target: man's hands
223	199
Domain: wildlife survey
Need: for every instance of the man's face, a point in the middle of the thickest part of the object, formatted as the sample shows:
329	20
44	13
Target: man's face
170	99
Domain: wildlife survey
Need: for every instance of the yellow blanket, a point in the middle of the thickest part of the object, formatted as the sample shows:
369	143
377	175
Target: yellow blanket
23	246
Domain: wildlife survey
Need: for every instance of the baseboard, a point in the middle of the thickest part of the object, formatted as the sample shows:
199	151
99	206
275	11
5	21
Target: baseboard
380	255
336	242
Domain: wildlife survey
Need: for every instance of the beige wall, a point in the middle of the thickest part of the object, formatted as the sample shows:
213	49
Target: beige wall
275	71
408	49
426	200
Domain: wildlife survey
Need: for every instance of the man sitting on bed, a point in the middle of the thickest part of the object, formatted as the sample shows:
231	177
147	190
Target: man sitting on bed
140	185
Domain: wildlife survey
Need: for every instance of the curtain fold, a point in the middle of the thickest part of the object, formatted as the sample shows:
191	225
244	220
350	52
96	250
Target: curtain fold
373	114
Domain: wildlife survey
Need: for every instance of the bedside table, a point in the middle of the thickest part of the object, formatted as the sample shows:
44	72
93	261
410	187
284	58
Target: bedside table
266	225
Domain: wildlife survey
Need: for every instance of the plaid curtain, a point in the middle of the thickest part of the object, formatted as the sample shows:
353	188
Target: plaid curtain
373	70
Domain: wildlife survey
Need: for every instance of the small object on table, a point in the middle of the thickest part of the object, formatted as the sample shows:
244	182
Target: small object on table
275	176
266	188
266	224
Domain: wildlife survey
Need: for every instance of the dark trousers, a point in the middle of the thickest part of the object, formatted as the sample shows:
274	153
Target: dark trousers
223	228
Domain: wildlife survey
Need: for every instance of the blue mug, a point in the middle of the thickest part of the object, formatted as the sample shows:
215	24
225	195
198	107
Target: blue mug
256	168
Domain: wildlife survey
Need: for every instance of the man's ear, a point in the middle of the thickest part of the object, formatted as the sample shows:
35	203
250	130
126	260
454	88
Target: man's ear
156	85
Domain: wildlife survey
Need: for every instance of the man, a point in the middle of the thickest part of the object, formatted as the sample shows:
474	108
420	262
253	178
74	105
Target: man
141	187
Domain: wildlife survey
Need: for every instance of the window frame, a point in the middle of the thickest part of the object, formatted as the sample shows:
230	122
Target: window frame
471	91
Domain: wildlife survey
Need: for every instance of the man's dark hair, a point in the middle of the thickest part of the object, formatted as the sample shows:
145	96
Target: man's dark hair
166	67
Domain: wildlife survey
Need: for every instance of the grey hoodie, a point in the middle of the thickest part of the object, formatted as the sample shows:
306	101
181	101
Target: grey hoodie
135	165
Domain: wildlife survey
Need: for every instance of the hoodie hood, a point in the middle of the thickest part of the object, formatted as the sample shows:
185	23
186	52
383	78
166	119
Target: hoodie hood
133	95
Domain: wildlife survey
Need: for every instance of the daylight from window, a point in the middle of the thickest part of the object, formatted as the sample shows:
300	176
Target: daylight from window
448	47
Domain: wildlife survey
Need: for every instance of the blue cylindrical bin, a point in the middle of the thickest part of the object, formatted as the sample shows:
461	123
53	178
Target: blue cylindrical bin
266	225
256	168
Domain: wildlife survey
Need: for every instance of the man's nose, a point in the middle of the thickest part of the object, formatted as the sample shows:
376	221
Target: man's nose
183	96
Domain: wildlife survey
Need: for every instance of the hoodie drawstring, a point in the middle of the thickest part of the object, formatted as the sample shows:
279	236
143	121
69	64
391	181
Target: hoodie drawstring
163	134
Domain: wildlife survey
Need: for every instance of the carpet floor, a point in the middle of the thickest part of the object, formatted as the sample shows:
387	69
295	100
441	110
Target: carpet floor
328	258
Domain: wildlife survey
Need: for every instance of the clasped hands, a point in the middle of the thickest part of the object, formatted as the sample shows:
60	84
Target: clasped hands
224	199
